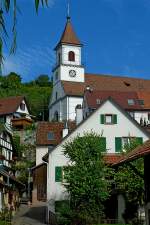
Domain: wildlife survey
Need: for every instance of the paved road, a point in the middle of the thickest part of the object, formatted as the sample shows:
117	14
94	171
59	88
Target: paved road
34	215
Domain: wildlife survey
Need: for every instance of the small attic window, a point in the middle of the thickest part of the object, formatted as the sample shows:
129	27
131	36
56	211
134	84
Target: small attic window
22	106
131	102
127	84
140	101
98	101
5	136
50	136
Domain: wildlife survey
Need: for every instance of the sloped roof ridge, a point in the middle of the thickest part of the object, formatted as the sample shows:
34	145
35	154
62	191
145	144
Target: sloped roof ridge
83	121
139	151
115	76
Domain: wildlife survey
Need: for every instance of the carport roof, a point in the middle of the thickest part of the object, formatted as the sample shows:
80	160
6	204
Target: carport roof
138	152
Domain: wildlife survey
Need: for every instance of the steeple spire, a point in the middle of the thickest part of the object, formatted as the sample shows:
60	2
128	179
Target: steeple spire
69	36
68	10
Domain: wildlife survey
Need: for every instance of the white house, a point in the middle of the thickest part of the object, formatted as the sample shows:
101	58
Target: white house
48	135
14	111
109	120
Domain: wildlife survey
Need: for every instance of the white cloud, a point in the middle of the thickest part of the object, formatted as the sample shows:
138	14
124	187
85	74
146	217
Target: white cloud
29	61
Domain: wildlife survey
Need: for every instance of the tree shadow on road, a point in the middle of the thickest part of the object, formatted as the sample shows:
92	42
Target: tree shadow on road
36	213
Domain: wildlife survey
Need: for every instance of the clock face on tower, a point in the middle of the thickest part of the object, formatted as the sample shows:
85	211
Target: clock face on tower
72	73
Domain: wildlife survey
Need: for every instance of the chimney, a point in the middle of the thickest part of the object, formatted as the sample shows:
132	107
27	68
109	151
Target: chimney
88	88
65	130
79	114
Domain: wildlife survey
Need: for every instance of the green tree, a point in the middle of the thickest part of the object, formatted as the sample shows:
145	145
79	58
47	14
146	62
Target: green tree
129	180
43	80
11	81
87	177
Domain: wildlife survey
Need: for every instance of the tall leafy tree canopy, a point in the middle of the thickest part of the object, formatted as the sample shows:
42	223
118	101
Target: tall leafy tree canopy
129	180
87	176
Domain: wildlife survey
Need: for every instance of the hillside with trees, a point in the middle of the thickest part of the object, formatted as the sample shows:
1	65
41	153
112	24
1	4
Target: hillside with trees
37	92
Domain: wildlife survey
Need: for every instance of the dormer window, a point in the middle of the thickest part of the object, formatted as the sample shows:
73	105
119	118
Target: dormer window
50	136
140	101
131	102
22	106
71	56
98	101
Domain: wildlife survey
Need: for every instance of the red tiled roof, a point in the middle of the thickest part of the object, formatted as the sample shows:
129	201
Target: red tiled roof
112	158
69	36
73	88
121	97
144	95
56	127
105	82
138	152
9	105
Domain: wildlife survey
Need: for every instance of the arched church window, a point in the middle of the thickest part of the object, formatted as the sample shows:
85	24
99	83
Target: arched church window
56	116
71	56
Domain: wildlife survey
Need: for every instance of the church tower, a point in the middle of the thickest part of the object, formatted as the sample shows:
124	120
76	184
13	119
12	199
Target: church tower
68	70
68	57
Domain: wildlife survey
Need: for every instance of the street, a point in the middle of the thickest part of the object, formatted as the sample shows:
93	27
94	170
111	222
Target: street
33	215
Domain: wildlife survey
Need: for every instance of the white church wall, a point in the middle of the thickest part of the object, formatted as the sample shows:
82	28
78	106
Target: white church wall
64	73
60	92
56	76
55	108
66	49
64	114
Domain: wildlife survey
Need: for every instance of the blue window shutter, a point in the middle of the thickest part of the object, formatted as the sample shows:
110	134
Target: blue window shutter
58	174
118	144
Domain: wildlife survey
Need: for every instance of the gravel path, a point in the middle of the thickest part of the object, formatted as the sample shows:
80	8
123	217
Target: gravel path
34	215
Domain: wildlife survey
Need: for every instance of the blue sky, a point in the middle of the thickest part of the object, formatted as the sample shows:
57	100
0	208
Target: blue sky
115	34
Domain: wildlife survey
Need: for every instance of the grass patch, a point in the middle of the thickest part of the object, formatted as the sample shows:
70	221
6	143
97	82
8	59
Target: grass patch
4	223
